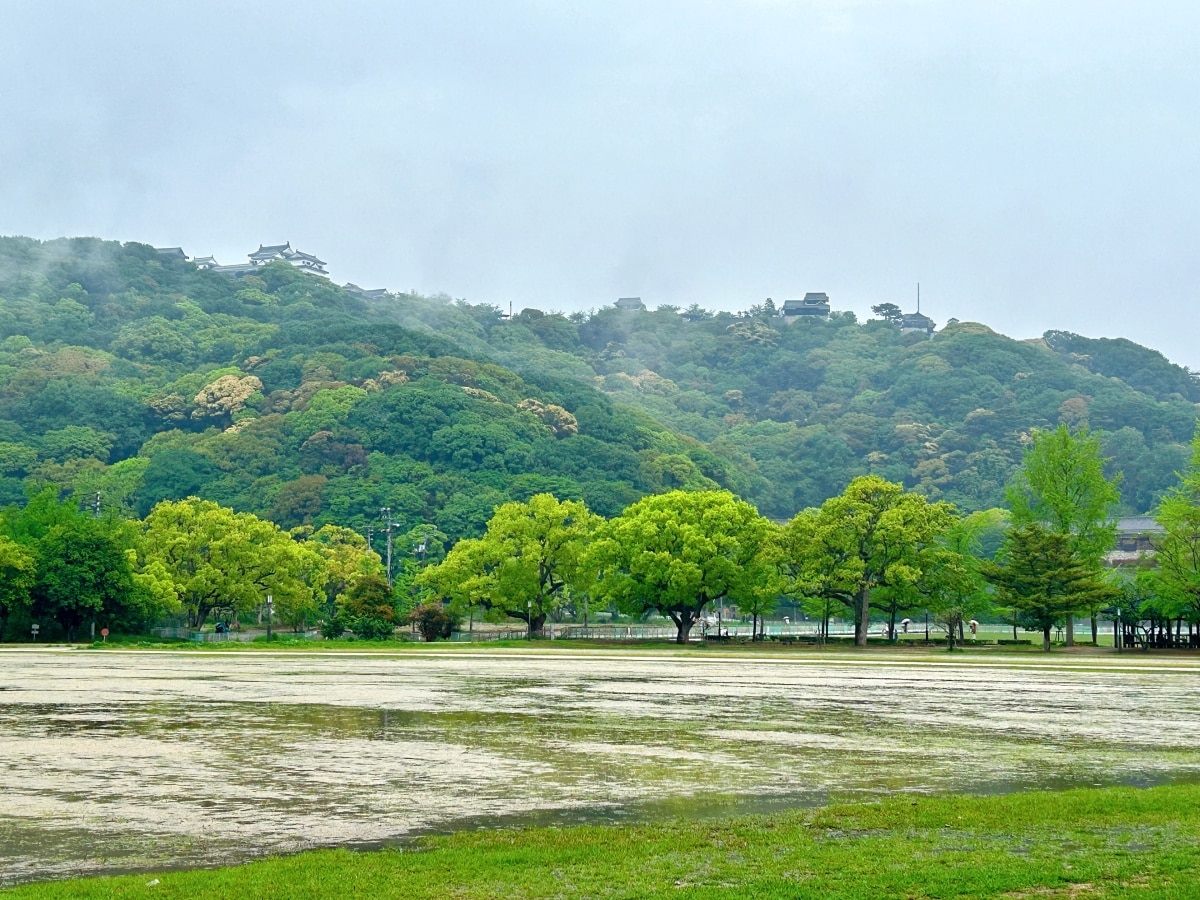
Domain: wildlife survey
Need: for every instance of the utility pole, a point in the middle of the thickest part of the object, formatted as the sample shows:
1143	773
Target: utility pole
386	513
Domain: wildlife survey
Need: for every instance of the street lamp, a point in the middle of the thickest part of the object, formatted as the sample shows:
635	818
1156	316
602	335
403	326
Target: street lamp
270	609
528	620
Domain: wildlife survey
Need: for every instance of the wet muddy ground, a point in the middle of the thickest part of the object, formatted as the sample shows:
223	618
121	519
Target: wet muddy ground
116	761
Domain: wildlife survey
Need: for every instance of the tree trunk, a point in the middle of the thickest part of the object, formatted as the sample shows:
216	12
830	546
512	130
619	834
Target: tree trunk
1046	638
754	627
862	618
892	626
1070	630
1095	630
950	637
684	625
537	625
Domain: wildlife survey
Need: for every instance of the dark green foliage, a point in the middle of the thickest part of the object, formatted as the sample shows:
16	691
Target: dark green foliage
369	628
174	475
65	568
432	620
1044	579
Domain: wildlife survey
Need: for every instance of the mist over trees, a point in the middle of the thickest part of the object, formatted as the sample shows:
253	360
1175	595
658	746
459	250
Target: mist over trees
140	378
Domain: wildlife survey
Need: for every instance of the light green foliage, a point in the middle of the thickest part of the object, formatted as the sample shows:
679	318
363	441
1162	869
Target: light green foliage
757	594
530	555
17	576
875	535
345	554
1177	579
216	558
1062	485
952	587
675	553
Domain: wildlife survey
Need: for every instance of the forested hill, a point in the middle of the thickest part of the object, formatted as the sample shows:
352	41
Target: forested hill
137	376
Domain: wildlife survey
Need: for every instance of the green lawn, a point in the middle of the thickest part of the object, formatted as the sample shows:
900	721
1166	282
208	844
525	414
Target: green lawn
1119	842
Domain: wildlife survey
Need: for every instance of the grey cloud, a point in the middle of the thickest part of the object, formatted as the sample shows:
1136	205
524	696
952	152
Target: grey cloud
1031	164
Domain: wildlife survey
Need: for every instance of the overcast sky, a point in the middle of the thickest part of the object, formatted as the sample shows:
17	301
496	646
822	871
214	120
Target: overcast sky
1032	164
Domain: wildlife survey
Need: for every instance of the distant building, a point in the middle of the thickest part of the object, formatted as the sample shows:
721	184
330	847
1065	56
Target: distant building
171	253
630	303
234	269
305	262
365	293
815	305
913	322
1135	540
270	253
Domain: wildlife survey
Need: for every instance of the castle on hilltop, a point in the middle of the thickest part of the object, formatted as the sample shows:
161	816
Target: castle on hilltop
269	253
305	262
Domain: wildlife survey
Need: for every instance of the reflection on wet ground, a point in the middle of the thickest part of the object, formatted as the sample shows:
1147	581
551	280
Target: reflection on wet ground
120	761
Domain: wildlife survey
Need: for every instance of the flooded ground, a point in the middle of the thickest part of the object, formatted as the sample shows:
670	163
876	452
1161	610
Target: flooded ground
117	761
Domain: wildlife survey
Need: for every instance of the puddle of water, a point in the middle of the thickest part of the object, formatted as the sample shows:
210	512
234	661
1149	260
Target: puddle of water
128	761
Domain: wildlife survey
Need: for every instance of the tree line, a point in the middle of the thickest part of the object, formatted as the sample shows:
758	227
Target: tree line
875	550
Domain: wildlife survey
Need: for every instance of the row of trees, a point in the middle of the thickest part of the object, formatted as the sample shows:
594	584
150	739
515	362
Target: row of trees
874	547
65	567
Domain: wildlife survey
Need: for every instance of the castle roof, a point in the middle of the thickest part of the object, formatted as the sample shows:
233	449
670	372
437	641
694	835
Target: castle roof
270	251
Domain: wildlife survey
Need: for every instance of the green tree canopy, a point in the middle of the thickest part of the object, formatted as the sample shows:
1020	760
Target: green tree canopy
1177	578
1040	575
873	535
18	571
1062	485
529	556
675	553
217	558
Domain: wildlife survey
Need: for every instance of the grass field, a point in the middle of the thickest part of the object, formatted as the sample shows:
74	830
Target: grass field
1088	843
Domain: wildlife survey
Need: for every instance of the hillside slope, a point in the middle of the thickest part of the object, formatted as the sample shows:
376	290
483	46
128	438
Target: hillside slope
140	377
796	410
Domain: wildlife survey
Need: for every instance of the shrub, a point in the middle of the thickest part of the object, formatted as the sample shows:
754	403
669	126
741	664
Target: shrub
432	620
370	628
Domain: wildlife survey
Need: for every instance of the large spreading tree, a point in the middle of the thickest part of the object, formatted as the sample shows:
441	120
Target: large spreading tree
873	535
529	558
676	553
216	558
